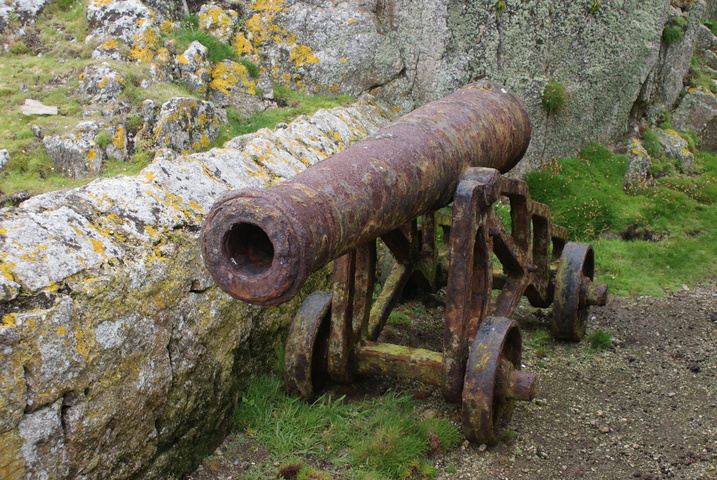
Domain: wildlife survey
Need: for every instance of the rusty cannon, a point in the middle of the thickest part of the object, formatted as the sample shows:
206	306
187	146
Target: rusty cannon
260	245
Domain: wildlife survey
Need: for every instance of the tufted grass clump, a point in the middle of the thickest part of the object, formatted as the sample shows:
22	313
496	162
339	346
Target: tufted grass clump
500	6
647	242
594	7
600	340
379	438
674	30
554	97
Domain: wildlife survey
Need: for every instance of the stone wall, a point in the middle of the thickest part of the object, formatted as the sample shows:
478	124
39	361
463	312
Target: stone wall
120	357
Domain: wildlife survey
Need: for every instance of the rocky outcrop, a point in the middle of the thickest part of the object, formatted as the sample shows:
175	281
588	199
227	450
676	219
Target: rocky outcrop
187	124
121	358
77	155
611	60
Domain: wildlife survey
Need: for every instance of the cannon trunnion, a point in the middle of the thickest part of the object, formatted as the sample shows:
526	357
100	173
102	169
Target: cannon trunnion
261	246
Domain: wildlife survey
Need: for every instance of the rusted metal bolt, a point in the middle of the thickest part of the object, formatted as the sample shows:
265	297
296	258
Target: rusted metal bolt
596	293
521	385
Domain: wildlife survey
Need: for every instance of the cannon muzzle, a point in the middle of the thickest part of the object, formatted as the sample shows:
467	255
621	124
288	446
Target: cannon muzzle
260	245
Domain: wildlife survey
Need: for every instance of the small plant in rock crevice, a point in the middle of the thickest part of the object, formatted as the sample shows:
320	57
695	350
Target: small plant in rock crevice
554	97
594	7
500	6
674	30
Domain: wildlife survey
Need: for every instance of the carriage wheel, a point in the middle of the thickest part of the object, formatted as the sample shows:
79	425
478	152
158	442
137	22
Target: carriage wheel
575	291
307	345
493	381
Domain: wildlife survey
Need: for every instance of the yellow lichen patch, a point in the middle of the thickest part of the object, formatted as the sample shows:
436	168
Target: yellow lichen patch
119	137
196	146
101	3
149	175
62	330
241	45
166	27
268	5
204	140
110	44
98	246
163	55
91	154
9	320
141	54
3	231
342	60
83	343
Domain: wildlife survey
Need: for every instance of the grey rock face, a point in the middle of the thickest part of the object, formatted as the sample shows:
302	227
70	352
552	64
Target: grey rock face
187	124
639	168
194	68
101	82
27	10
676	147
78	155
127	20
695	111
612	63
4	157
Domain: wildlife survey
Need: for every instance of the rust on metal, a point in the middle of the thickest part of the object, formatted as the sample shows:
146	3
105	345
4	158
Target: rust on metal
261	245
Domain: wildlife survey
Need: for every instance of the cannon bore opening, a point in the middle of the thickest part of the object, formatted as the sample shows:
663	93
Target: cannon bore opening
249	249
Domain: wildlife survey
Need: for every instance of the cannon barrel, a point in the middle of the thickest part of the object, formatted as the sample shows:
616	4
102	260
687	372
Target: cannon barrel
260	245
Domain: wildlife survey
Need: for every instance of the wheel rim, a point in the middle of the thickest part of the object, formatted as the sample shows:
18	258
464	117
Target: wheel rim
307	345
488	398
570	307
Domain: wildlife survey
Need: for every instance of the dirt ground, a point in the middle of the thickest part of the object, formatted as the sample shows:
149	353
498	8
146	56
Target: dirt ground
644	409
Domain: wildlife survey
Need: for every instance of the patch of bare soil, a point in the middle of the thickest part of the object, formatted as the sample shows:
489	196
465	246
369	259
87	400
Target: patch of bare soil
644	409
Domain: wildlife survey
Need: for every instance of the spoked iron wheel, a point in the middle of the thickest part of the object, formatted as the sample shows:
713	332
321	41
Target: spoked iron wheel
493	381
575	291
307	345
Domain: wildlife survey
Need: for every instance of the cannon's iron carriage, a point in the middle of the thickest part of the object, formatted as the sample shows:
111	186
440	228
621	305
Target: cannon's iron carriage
261	245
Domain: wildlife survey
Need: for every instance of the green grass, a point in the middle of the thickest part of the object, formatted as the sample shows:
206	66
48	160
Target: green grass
292	104
398	319
679	211
380	438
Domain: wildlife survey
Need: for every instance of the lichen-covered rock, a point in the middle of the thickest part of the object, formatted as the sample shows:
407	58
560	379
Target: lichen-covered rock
695	111
676	147
638	170
126	20
218	22
187	124
120	357
77	155
194	68
108	50
612	62
117	148
5	12
232	86
27	10
4	157
101	82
